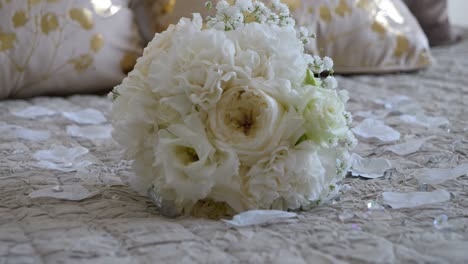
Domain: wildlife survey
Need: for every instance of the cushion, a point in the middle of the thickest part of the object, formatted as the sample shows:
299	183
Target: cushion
434	20
362	36
59	47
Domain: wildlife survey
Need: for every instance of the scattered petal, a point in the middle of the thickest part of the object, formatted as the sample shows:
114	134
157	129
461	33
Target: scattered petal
17	132
75	192
376	114
61	154
425	121
258	217
90	132
346	215
369	167
61	158
400	104
415	199
86	117
33	112
408	147
437	176
371	128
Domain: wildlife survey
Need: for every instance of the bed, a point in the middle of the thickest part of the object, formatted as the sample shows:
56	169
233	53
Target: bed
110	223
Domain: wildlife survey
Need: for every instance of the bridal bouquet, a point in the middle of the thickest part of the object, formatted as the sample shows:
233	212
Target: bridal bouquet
232	111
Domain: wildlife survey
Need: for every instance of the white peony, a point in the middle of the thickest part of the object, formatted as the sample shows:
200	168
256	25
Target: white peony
233	113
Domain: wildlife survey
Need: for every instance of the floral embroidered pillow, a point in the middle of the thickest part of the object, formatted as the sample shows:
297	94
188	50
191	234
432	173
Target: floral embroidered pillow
362	36
60	47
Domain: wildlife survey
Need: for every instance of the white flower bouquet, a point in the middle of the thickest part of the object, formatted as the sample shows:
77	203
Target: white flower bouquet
233	111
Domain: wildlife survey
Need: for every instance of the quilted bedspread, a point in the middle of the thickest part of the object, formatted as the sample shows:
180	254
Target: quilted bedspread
105	221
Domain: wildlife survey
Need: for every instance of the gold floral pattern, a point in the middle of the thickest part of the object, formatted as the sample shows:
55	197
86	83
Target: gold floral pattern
366	35
43	40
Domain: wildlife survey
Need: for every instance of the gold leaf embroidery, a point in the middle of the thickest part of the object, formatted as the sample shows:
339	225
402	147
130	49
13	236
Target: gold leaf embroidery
325	14
378	27
343	8
97	42
168	7
293	4
310	10
424	59
364	4
82	16
1	5
7	41
20	18
53	1
49	23
402	46
128	62
33	2
82	62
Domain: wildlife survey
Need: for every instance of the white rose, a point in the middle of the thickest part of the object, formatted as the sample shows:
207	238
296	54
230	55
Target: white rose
324	114
250	122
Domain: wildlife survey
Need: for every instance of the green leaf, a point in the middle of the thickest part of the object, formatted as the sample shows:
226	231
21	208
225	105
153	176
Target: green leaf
310	79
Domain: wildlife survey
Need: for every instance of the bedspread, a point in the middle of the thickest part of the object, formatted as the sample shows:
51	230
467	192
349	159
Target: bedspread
116	225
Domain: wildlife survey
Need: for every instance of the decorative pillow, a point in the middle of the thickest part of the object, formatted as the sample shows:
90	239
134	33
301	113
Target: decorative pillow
362	36
434	20
58	47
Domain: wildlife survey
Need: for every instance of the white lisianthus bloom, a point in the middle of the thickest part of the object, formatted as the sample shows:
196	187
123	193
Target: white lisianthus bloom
187	160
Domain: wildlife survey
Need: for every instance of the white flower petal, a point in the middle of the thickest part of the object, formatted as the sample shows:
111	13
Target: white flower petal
414	199
258	217
369	167
75	192
90	132
408	147
425	121
18	132
371	128
438	176
33	112
86	117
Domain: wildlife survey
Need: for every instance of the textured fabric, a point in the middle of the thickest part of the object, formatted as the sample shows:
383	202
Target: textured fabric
434	20
62	47
362	36
118	226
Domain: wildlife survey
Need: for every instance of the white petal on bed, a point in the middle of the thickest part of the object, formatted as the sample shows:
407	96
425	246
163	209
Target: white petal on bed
437	176
400	104
75	192
375	114
368	167
408	147
86	117
425	121
415	199
371	128
258	217
8	131
61	158
33	112
90	132
64	167
60	153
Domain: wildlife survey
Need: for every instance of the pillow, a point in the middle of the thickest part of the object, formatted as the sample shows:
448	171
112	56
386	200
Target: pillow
59	47
362	36
433	18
